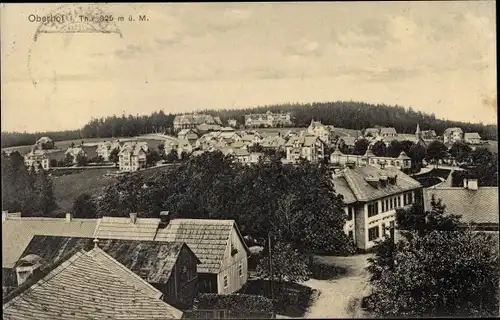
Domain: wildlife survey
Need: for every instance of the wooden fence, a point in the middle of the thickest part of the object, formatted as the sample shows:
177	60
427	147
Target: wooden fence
226	314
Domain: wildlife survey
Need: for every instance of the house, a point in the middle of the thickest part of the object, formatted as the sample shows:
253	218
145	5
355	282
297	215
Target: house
74	153
472	138
168	266
232	123
251	138
316	128
191	121
268	119
37	159
387	132
132	156
452	135
244	156
305	146
272	142
429	134
44	143
402	162
204	128
105	149
220	247
228	136
85	285
371	132
372	196
18	231
184	146
188	134
477	205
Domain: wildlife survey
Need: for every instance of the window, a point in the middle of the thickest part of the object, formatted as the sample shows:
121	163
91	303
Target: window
410	198
407	198
373	233
391	224
372	209
350	213
225	281
399	201
351	234
240	270
387	205
383	206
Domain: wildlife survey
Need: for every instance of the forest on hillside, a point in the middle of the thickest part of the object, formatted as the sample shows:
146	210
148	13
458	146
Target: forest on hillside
344	114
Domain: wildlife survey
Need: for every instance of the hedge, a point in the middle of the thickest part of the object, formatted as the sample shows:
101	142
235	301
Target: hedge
233	302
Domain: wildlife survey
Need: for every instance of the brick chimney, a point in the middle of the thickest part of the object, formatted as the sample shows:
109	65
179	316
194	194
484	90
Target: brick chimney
133	217
471	184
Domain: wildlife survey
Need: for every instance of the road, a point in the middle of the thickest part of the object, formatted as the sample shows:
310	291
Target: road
341	298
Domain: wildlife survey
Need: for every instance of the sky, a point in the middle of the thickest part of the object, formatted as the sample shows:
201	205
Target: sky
436	57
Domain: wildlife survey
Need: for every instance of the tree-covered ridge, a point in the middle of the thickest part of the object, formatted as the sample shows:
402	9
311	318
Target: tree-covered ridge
345	114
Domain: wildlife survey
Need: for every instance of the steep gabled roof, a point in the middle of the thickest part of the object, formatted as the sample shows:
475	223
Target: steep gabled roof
475	206
356	180
151	260
18	231
88	285
125	229
207	238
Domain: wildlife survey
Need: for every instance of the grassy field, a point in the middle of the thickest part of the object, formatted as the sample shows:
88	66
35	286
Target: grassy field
68	187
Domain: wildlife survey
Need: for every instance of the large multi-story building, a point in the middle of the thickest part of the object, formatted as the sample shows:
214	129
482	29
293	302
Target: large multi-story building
402	162
268	119
37	159
191	121
305	146
320	130
372	196
132	156
452	135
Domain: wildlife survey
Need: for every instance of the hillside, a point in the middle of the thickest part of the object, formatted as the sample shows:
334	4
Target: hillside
345	114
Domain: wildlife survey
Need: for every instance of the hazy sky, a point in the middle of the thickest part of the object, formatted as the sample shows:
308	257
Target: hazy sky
433	56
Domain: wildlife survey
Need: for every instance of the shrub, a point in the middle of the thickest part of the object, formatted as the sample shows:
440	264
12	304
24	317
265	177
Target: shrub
233	302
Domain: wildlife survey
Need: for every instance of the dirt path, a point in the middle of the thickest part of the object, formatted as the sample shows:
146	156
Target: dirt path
341	298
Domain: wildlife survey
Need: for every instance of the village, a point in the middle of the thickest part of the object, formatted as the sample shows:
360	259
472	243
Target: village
167	262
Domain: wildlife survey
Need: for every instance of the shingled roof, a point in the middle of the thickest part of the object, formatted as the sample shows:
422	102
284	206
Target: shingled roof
151	260
124	228
475	206
89	285
207	238
356	180
18	231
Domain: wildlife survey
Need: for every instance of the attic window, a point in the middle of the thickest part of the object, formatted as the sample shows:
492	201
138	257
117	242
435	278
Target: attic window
233	250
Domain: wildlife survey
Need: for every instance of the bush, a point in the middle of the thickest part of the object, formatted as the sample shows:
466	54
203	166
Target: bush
233	302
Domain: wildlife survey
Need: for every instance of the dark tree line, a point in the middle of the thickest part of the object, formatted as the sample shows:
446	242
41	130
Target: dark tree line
345	114
23	190
296	204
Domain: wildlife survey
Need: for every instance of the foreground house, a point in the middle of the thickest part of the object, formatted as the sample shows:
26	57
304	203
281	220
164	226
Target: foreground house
372	196
37	159
220	247
452	135
168	266
472	138
86	285
132	156
477	205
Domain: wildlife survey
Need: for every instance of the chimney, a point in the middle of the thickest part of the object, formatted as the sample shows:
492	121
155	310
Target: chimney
4	215
96	243
164	217
69	217
26	267
133	217
471	184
